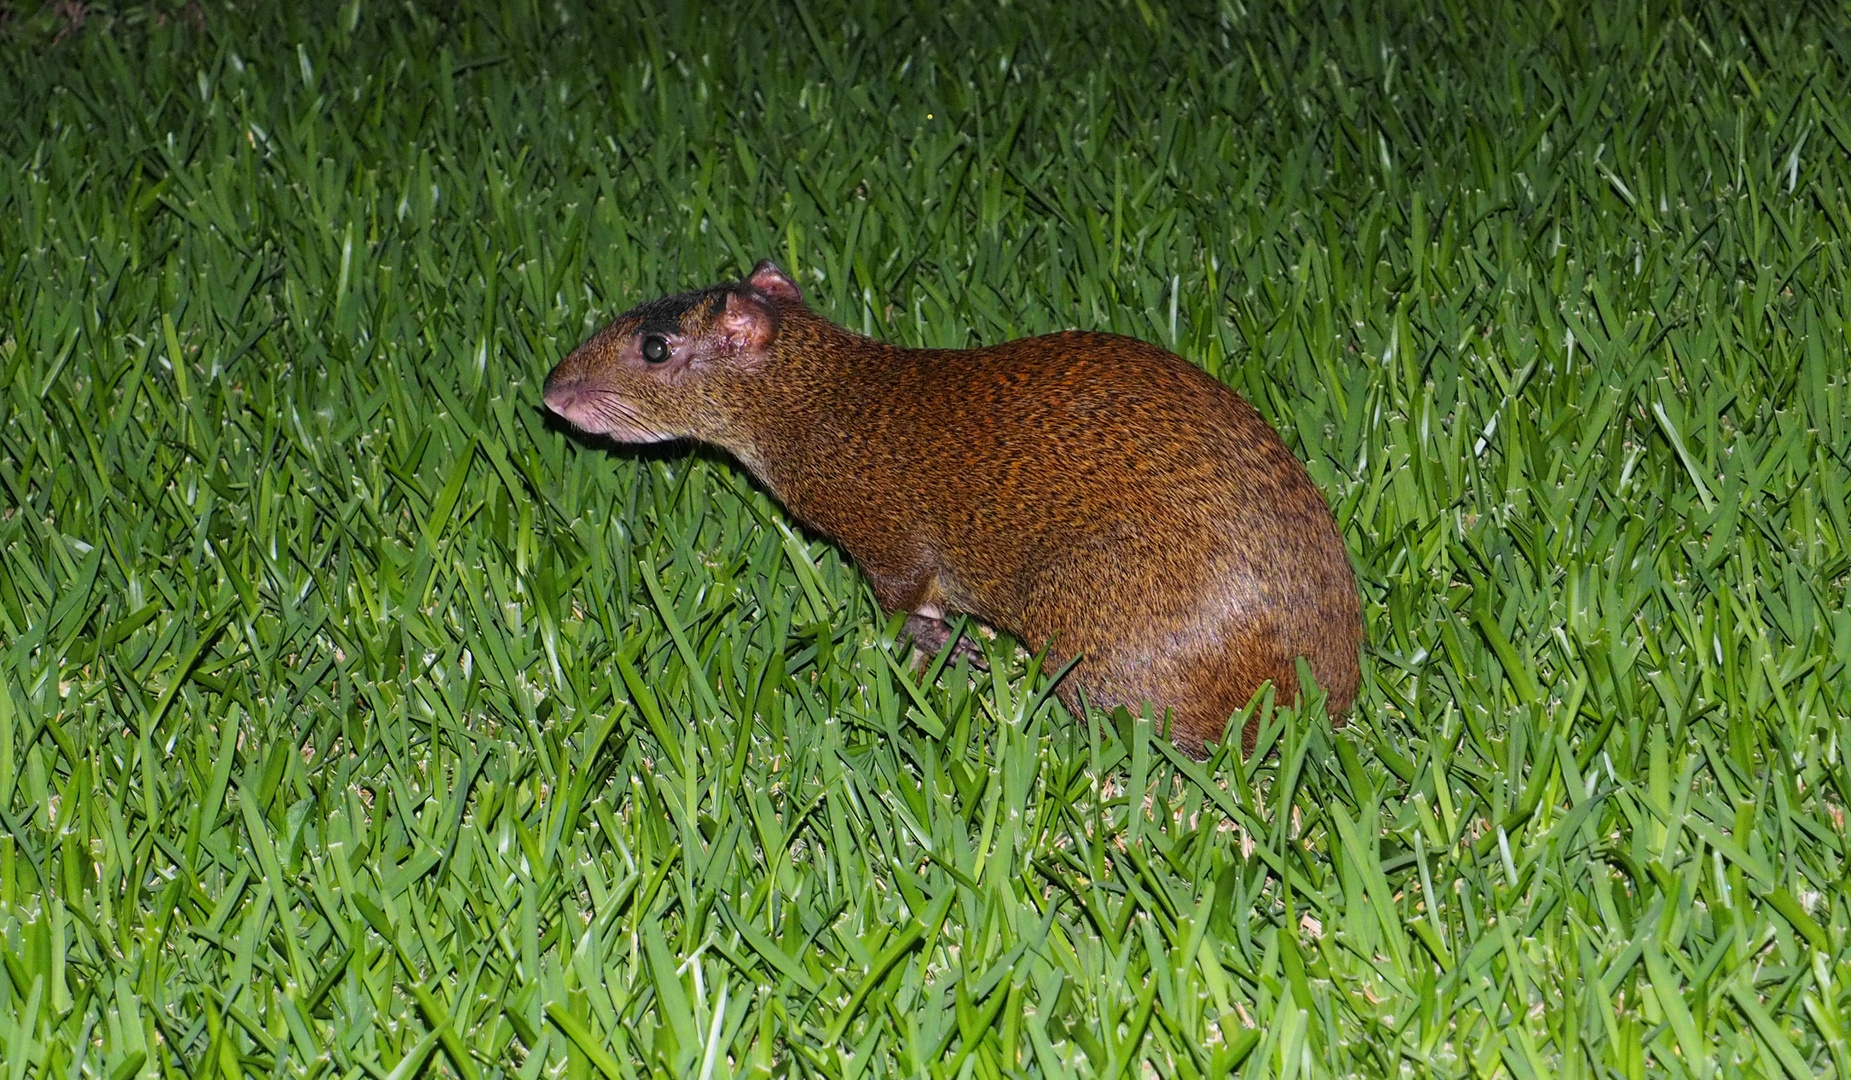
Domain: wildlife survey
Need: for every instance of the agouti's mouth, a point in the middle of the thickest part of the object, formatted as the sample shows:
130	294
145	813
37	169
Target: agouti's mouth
599	412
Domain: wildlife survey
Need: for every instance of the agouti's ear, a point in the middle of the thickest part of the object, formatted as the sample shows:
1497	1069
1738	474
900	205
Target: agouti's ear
767	280
747	324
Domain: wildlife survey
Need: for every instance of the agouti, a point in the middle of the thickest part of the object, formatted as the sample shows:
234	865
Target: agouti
1087	491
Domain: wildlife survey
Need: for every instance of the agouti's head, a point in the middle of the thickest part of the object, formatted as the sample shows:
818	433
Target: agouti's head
675	367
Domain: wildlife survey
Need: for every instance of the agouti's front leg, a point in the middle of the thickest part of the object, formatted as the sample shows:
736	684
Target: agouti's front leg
928	631
917	592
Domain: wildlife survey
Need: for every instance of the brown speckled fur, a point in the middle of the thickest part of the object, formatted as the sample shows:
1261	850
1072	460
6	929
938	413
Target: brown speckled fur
1083	489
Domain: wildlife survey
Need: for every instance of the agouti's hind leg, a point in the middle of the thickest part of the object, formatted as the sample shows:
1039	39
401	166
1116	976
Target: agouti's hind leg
928	632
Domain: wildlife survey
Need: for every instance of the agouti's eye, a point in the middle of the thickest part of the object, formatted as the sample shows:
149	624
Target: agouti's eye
655	349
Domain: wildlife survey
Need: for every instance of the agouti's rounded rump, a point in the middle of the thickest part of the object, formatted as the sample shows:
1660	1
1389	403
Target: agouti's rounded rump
1088	491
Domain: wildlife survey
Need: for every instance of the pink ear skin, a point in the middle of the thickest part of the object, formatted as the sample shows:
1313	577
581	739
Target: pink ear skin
767	280
747	324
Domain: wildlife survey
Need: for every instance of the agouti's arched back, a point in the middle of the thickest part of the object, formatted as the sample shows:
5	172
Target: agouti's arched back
1086	490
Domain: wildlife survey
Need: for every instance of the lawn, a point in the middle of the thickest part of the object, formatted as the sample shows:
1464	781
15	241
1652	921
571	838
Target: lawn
358	721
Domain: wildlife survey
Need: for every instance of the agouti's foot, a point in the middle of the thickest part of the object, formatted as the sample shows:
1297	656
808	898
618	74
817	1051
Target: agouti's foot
929	635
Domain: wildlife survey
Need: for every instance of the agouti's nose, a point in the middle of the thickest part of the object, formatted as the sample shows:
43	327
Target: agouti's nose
575	408
561	396
567	398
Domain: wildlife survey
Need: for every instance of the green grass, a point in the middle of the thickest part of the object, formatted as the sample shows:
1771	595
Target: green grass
358	723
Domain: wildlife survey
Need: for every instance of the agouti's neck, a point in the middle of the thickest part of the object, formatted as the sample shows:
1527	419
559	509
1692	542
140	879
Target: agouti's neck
824	396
